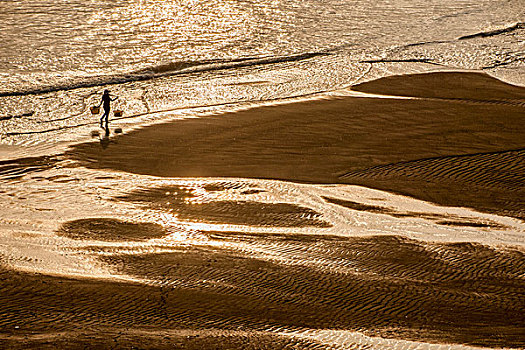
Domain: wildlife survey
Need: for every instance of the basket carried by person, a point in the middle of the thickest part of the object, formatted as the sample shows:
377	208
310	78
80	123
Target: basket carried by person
95	110
118	113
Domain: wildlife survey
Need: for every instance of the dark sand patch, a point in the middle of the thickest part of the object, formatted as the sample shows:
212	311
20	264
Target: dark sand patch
17	168
224	186
105	229
231	185
394	288
449	220
446	85
8	117
178	200
316	141
254	191
464	223
377	209
492	182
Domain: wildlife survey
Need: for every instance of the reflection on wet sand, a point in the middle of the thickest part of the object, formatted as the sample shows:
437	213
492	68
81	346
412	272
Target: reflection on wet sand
453	143
452	220
113	259
381	286
187	206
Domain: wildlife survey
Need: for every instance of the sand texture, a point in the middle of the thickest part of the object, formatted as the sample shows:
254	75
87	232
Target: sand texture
224	260
394	287
458	143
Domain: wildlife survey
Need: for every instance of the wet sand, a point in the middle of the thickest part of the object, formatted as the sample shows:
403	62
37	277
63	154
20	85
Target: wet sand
457	145
453	145
220	298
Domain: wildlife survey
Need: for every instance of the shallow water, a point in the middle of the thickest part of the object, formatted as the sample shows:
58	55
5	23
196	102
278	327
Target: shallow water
247	261
158	56
307	262
189	210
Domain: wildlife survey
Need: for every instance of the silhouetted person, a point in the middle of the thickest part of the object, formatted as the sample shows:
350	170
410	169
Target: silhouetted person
106	99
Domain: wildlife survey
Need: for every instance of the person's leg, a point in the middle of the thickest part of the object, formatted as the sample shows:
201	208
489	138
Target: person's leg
107	117
104	116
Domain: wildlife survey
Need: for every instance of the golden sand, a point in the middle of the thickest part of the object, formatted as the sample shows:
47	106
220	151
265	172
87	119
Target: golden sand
458	143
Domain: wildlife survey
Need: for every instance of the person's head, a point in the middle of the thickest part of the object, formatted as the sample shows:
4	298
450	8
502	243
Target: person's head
106	92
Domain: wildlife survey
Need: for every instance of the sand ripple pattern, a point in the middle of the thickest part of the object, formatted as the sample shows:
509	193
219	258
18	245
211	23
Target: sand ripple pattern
380	286
188	205
484	174
499	169
18	168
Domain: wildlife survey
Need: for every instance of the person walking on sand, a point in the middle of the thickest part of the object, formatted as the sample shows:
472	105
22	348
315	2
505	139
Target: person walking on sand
106	99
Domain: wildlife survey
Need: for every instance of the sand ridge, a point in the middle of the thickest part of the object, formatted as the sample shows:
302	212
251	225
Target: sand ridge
248	288
469	141
381	286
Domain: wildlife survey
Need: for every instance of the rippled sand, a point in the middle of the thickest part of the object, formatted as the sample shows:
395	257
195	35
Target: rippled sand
380	286
103	247
465	150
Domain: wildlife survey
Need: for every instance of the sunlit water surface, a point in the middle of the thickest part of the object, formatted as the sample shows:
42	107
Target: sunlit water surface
168	60
58	56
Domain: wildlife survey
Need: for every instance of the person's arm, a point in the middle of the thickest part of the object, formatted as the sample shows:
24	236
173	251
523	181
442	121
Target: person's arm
113	99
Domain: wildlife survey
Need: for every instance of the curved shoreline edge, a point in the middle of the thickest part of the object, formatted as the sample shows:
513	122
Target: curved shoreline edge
470	124
450	145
